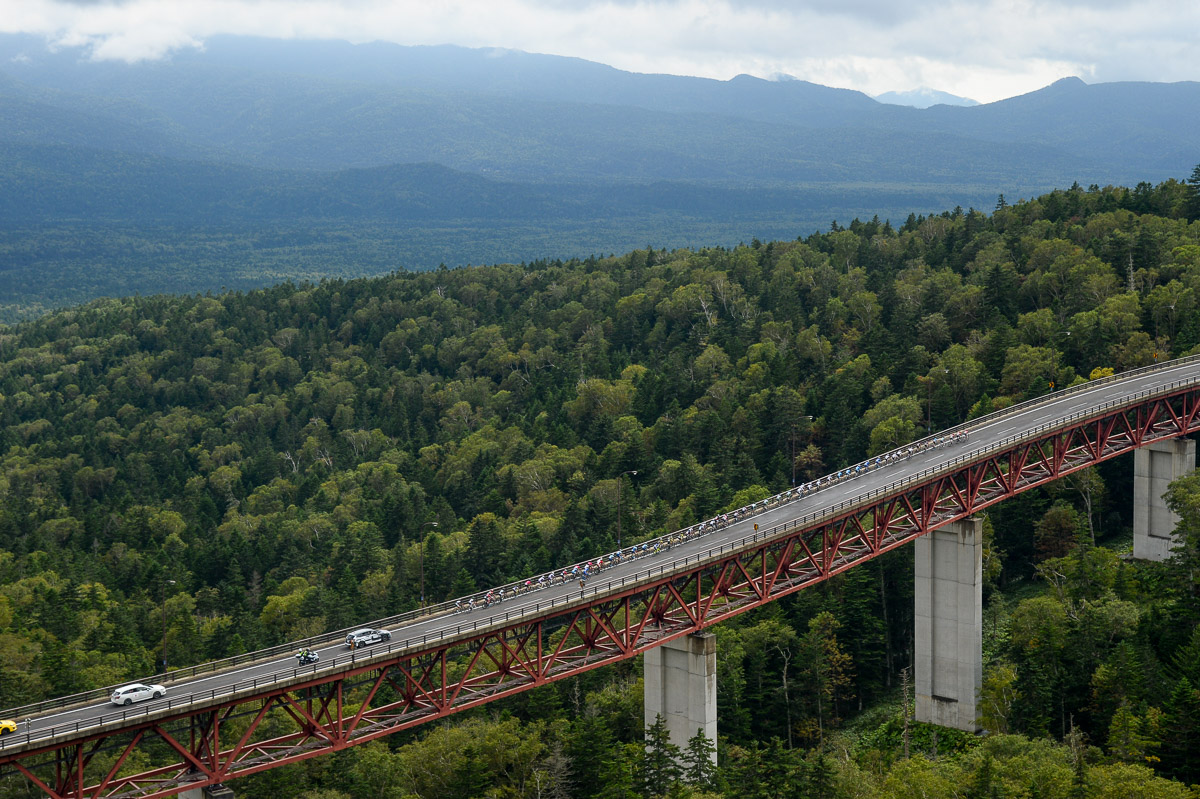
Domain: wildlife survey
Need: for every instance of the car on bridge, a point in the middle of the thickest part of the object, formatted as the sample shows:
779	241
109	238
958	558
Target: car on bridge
367	636
137	692
7	726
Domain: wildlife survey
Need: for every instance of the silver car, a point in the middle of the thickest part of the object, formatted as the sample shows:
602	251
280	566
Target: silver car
367	636
138	692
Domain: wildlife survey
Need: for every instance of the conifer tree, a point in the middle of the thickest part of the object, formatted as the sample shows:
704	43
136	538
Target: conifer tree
1078	749
1181	733
1192	203
660	765
983	782
819	779
699	757
589	747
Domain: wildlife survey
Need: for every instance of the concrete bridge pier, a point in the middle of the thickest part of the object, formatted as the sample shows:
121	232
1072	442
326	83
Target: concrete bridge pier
1154	467
948	645
681	686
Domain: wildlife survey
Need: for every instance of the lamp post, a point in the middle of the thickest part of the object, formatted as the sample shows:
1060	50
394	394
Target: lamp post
163	648
426	524
619	482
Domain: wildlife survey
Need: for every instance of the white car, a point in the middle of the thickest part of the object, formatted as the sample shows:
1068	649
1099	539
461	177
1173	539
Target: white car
367	636
138	692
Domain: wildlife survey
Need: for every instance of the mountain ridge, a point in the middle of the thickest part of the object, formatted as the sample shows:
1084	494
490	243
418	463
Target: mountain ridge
279	115
365	156
924	97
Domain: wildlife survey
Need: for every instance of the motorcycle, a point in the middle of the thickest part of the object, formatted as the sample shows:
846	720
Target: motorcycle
307	657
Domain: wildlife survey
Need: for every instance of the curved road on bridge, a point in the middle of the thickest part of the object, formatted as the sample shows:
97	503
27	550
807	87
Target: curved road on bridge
278	667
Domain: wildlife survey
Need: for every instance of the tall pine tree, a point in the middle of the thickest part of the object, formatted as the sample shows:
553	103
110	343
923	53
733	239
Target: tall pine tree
1192	204
700	760
660	767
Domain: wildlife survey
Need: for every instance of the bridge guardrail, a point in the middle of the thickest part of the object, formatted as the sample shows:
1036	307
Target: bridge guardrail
376	652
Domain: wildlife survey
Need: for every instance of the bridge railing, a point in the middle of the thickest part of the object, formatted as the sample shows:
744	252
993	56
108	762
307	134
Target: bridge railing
599	586
1054	396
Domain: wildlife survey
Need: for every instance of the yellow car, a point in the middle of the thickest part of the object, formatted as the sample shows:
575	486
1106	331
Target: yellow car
7	726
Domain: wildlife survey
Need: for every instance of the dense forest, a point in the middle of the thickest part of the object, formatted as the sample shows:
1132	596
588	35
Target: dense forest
185	478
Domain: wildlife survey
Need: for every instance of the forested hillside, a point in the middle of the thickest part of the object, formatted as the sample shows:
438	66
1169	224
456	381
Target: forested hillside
265	465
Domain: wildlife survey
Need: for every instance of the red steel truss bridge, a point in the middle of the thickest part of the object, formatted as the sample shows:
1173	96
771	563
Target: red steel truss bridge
236	717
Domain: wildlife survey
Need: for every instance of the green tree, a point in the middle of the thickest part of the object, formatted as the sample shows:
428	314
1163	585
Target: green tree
1181	733
1058	531
820	778
1131	738
700	757
659	768
997	695
619	778
1192	196
829	670
984	782
589	749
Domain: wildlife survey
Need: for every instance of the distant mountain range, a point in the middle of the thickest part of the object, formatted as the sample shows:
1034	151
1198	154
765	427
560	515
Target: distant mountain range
478	143
923	97
333	105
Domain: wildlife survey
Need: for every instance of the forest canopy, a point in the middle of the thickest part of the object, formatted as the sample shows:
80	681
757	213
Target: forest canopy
189	477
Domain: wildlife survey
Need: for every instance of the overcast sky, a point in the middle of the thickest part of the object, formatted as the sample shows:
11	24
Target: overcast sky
986	50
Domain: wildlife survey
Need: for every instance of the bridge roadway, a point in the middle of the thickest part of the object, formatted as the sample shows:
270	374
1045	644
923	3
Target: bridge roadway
72	721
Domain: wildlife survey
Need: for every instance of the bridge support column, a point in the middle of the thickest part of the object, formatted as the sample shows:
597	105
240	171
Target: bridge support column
681	686
948	647
1154	467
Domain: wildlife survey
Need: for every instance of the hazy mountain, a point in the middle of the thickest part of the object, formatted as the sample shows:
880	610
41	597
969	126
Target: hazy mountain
924	97
332	105
415	156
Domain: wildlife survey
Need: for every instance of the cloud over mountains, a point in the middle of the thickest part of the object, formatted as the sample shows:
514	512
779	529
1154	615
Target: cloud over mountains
986	50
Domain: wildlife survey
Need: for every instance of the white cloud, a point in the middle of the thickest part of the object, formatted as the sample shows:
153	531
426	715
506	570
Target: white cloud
985	50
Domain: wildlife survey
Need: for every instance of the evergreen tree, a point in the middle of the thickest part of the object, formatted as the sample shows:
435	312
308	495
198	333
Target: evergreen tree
1079	770
983	781
1126	741
700	761
619	777
659	768
1181	733
819	779
589	748
1191	208
1186	660
782	773
485	551
741	771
